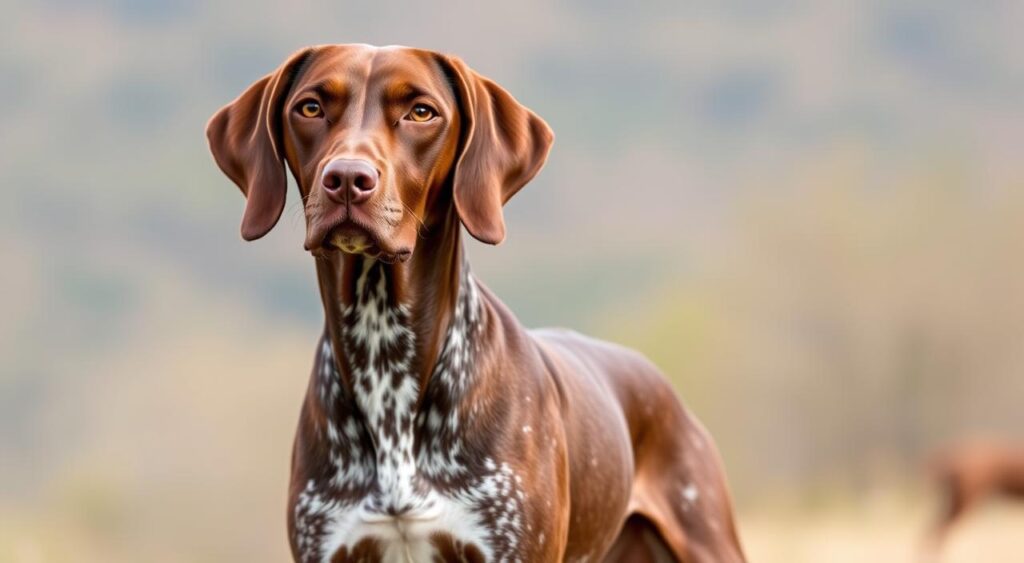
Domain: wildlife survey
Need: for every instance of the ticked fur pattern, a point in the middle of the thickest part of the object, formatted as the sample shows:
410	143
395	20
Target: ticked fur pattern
396	455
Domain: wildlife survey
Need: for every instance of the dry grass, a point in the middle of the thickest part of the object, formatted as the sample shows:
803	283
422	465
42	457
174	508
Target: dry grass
882	531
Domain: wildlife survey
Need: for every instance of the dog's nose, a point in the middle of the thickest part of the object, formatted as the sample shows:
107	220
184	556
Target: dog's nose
349	178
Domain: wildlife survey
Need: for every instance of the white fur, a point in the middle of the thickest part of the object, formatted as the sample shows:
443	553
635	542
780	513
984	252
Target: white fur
486	511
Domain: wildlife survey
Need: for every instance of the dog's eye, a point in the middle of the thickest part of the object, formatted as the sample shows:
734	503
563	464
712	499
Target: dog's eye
309	108
421	113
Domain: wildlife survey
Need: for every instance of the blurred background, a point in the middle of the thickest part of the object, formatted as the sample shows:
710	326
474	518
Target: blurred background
821	244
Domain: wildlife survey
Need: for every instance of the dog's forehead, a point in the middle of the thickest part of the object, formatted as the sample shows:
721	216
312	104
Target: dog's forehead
357	65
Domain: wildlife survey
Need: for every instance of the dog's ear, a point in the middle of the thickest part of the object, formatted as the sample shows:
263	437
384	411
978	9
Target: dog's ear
245	139
503	146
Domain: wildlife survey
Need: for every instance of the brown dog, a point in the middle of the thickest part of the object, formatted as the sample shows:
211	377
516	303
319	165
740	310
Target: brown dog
435	427
968	473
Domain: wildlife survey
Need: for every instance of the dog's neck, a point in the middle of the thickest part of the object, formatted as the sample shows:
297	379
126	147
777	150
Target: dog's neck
404	339
421	295
398	396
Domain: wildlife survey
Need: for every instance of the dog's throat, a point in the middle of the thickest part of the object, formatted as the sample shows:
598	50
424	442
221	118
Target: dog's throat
391	453
413	431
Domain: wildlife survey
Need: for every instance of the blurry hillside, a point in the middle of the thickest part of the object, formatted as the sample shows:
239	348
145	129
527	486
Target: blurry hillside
810	214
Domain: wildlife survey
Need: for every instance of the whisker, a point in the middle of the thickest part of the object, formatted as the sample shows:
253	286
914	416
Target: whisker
423	226
295	210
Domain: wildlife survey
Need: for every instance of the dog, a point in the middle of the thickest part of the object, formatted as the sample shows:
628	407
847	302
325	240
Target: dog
966	474
435	427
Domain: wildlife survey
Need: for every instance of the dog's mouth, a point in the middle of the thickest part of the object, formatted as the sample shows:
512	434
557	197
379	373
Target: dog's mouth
350	237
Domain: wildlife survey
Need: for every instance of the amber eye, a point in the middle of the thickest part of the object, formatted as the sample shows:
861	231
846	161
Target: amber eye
309	108
421	113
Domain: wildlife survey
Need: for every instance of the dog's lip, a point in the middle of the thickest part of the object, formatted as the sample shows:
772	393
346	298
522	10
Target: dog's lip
325	228
353	227
347	225
349	237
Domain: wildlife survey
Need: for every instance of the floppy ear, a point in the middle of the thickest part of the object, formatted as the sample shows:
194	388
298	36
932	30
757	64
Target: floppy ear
245	138
504	145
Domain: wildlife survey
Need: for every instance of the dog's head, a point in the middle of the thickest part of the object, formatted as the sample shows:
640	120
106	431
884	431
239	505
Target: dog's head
373	137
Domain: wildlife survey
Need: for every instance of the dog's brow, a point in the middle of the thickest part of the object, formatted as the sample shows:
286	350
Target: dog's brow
399	92
328	88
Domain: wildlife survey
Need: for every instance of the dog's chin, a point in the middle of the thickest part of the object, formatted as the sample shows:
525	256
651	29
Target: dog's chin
350	238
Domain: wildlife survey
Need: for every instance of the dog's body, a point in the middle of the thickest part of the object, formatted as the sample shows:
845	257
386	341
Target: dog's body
520	446
435	427
966	474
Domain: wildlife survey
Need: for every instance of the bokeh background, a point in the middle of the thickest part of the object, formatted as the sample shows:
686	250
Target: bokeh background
810	214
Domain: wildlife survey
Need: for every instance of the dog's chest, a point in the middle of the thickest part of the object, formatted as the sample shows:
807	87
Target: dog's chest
401	485
480	522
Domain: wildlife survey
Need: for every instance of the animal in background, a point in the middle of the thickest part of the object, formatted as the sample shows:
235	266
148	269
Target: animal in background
968	473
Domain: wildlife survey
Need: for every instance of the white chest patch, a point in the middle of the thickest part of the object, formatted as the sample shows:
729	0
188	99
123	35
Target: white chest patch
401	476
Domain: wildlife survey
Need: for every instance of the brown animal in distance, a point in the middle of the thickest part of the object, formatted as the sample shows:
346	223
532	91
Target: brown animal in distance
435	427
968	473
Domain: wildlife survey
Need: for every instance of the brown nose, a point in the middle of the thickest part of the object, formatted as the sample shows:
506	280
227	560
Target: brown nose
352	179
